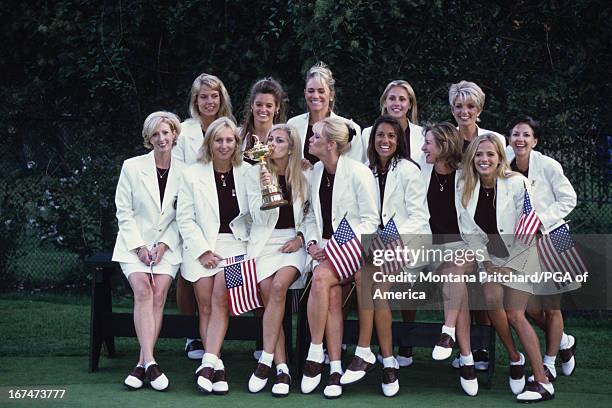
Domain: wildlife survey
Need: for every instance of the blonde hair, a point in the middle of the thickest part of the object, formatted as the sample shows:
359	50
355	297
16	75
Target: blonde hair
323	74
214	84
335	130
466	91
216	127
294	176
469	175
152	122
413	112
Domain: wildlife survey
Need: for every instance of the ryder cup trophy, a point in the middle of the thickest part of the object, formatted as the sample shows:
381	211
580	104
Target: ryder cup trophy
270	193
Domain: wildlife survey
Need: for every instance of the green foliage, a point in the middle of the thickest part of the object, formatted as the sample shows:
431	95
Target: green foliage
80	77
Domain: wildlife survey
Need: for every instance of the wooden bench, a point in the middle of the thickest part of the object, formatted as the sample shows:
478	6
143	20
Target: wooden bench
105	325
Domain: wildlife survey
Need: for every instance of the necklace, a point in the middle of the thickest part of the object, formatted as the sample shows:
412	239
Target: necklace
488	191
162	173
223	177
442	185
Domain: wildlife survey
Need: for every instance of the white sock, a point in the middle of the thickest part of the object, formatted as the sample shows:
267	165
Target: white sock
315	353
140	365
282	368
564	341
467	360
219	365
449	330
147	365
520	362
365	353
209	360
266	358
549	360
390	362
335	367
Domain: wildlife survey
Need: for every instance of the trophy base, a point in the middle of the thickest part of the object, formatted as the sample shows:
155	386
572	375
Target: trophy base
273	204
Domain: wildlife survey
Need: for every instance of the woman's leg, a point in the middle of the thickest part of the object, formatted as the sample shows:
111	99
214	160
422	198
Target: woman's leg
277	286
217	325
160	292
324	278
494	297
203	289
144	319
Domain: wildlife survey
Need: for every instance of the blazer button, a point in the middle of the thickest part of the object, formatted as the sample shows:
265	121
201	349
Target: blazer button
501	230
384	215
160	230
231	224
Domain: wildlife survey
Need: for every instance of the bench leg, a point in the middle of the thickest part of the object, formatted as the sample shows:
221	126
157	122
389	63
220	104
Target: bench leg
288	325
101	309
491	371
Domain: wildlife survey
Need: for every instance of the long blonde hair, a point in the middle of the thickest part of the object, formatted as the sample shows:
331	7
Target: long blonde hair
413	111
469	175
214	84
293	174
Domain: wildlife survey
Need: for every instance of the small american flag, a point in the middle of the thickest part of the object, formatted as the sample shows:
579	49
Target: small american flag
528	223
241	282
344	251
389	238
558	253
234	259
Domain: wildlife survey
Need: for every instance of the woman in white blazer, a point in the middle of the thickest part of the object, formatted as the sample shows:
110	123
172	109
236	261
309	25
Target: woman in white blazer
148	246
208	100
467	102
213	220
278	248
492	198
320	95
442	150
553	199
398	100
402	195
340	188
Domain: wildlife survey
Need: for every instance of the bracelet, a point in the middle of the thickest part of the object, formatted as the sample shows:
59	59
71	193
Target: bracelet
309	244
140	248
301	237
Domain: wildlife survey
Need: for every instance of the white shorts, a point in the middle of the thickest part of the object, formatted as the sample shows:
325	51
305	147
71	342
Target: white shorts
163	268
226	246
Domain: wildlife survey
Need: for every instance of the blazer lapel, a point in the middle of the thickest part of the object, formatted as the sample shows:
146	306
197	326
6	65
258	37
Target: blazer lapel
171	186
474	199
316	203
238	185
196	142
391	185
207	182
149	178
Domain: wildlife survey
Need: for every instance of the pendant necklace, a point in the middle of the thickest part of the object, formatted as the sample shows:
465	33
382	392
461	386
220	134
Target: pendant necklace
162	173
442	185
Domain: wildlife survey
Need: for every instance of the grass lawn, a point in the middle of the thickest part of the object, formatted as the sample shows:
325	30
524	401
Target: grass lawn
44	341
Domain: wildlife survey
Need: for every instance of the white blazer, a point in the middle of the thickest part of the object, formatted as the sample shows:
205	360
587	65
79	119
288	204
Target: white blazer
354	194
189	142
501	137
141	217
197	214
300	122
416	142
264	222
510	195
552	194
406	197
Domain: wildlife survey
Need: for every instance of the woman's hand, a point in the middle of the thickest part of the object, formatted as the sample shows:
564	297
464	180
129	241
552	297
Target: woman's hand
265	176
144	255
306	164
292	245
317	253
209	259
158	251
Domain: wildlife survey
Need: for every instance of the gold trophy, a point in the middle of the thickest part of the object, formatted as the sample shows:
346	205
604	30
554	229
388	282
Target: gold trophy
271	194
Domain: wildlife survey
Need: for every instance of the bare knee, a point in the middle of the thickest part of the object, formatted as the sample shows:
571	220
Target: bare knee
159	299
494	296
142	292
335	299
278	292
515	317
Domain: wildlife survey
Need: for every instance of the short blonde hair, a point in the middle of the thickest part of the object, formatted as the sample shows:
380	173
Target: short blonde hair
413	112
321	71
216	127
336	130
466	91
152	122
214	84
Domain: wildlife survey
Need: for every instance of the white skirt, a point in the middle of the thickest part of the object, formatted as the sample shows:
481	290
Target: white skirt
271	259
226	246
163	268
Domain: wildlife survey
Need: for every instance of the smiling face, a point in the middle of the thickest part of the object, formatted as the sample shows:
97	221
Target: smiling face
385	142
209	102
317	96
162	138
278	140
397	102
264	107
430	148
522	140
486	160
465	112
224	145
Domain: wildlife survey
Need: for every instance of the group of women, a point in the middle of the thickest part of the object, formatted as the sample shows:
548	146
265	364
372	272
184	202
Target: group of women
194	203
